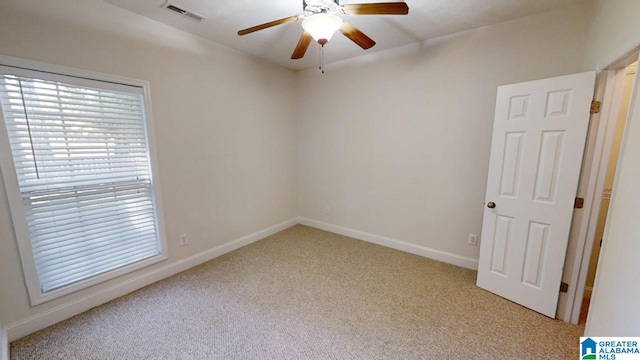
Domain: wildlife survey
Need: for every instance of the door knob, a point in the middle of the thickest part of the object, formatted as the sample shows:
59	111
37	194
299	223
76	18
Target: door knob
491	205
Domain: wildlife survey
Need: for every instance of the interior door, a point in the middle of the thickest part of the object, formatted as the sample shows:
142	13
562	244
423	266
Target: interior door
539	134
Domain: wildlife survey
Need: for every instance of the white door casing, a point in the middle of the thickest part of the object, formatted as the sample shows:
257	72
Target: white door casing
539	134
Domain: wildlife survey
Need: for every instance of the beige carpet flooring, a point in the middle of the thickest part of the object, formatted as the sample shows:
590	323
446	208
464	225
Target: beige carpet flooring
308	294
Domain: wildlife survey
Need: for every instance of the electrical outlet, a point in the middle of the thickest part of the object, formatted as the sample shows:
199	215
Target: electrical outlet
183	240
473	239
327	210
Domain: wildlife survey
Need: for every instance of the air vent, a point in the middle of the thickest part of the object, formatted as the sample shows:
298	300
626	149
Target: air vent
182	12
176	9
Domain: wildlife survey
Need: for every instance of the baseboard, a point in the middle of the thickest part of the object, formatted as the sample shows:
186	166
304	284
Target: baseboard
434	254
52	316
47	318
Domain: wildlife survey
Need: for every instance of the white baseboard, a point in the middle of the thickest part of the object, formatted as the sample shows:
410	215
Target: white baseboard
434	254
49	317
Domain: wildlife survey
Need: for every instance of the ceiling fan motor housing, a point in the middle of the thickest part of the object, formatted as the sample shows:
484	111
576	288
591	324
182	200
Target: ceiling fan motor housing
312	7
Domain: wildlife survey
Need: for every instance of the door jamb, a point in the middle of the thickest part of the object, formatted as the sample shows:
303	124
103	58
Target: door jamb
595	176
4	344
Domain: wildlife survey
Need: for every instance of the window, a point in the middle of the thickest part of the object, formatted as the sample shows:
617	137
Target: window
78	177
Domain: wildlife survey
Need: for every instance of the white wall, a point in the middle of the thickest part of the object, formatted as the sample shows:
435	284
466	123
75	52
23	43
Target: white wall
397	144
614	31
223	127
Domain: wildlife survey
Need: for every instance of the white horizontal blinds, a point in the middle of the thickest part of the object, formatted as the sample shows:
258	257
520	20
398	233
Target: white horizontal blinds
82	164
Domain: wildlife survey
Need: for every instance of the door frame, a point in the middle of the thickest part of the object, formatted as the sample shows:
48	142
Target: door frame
4	343
595	162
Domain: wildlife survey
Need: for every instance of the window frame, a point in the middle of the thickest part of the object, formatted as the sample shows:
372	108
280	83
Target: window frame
17	66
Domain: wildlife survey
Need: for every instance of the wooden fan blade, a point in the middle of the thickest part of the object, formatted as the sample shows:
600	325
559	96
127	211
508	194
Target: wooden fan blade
392	8
267	25
356	35
303	45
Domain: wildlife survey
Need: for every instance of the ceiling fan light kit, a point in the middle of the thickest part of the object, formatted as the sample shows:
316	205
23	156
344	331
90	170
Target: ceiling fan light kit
321	21
322	26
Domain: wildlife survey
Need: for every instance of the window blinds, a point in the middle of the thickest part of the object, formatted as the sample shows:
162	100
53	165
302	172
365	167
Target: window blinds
82	166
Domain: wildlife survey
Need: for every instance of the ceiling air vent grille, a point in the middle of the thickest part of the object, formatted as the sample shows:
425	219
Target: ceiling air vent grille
176	9
182	12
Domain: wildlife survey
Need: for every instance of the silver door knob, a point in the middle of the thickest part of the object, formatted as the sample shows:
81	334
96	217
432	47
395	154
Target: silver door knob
491	205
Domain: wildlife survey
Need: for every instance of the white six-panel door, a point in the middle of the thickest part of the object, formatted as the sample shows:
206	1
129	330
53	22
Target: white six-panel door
538	142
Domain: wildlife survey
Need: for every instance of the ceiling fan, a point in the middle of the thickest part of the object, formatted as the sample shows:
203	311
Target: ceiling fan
321	22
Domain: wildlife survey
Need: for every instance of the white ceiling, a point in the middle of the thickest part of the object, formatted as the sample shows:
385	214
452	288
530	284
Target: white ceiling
427	19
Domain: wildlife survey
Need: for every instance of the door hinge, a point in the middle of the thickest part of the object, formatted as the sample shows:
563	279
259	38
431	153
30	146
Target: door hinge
595	107
564	287
578	203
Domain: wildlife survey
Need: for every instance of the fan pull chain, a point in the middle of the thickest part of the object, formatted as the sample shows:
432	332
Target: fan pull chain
321	58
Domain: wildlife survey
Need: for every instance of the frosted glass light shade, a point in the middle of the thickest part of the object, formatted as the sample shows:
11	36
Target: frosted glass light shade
321	26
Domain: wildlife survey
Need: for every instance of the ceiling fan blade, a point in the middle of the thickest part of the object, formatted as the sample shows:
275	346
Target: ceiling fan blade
356	35
267	25
390	8
303	45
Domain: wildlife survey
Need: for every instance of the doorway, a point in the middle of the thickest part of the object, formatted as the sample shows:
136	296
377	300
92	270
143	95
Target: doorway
596	161
624	79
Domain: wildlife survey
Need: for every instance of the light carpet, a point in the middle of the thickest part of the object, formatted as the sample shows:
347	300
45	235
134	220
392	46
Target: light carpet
309	294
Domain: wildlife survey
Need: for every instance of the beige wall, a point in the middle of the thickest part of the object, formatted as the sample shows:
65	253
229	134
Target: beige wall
397	144
614	31
223	127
